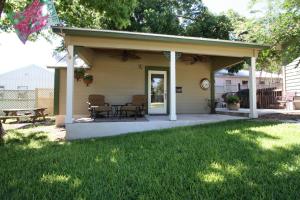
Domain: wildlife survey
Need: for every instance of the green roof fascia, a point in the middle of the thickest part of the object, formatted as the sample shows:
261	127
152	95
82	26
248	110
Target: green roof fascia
153	37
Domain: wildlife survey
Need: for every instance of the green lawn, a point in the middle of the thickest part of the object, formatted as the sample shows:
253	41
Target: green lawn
230	160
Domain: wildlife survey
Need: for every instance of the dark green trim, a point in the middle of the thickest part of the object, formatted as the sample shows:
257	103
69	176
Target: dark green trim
153	37
212	92
154	68
56	91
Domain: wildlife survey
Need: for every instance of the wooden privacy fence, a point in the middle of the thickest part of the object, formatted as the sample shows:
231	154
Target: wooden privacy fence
44	98
266	98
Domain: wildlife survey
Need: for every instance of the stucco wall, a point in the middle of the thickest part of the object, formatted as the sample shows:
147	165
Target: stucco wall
119	80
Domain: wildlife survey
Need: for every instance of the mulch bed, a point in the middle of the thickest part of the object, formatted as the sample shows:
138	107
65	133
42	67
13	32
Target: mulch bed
282	116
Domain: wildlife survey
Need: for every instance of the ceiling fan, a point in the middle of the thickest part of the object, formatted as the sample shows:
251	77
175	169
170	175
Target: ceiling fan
126	55
192	58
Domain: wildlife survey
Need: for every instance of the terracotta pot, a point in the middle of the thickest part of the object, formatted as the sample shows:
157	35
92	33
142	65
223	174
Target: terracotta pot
233	106
87	81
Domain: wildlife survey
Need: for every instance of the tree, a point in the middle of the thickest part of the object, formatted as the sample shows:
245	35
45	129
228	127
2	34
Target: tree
2	132
161	16
80	13
210	26
279	26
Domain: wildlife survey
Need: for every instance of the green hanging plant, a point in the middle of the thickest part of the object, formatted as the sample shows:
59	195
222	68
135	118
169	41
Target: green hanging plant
79	73
88	79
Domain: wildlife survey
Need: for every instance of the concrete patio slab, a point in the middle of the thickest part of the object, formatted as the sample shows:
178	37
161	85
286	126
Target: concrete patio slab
102	129
244	112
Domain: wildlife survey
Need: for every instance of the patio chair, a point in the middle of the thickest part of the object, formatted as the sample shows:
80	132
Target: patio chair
98	106
138	106
285	100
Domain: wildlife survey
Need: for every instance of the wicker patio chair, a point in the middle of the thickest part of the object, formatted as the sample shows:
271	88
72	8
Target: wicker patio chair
138	106
97	106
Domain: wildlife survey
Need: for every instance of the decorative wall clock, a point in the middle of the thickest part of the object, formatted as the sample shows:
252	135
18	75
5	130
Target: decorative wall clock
204	84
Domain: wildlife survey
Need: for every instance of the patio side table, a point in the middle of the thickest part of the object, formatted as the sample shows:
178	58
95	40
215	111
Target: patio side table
116	109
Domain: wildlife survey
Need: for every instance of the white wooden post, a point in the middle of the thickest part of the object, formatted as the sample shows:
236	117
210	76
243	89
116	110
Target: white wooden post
70	85
172	115
252	90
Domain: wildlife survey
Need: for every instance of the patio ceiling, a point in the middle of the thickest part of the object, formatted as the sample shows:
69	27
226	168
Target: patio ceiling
218	62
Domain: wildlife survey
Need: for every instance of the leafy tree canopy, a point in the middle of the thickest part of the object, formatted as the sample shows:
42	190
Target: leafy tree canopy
279	26
177	17
80	13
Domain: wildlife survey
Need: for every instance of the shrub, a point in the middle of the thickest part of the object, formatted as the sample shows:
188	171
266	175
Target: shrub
233	99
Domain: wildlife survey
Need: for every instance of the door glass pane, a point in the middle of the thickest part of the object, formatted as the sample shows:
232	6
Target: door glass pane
157	91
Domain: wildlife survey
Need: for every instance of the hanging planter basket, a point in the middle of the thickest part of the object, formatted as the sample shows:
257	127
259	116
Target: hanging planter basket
79	73
88	79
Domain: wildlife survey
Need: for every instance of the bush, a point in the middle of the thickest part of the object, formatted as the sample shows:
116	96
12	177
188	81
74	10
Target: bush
233	99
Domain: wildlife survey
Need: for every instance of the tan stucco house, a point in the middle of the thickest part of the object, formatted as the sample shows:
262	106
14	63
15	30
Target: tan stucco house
124	64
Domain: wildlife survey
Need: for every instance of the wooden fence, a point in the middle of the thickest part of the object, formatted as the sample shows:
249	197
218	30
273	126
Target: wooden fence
266	98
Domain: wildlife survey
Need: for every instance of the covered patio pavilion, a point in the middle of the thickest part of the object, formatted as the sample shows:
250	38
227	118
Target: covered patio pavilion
158	53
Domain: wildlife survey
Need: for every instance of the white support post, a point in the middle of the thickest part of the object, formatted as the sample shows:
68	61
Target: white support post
172	115
252	90
70	85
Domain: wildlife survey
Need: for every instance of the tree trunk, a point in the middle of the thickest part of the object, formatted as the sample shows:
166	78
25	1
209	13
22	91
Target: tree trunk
2	3
2	132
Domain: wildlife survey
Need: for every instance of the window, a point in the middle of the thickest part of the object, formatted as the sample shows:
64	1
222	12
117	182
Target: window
244	82
261	82
228	82
22	88
22	94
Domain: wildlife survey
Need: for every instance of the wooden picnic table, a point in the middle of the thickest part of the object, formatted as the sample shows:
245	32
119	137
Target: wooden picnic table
14	114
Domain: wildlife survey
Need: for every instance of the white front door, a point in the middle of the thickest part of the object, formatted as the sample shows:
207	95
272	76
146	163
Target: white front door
157	92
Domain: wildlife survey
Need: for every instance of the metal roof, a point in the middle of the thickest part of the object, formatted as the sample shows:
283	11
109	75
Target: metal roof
153	37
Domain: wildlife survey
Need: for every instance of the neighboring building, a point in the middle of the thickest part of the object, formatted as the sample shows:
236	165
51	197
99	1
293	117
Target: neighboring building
292	77
26	88
27	78
124	64
233	82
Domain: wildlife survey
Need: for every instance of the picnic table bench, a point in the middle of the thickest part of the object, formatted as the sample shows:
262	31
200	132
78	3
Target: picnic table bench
32	113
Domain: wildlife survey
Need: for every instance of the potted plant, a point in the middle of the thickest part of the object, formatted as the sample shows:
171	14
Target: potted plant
88	79
233	102
79	73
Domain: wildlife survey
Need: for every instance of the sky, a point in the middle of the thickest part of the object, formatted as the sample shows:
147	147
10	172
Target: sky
218	6
14	54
